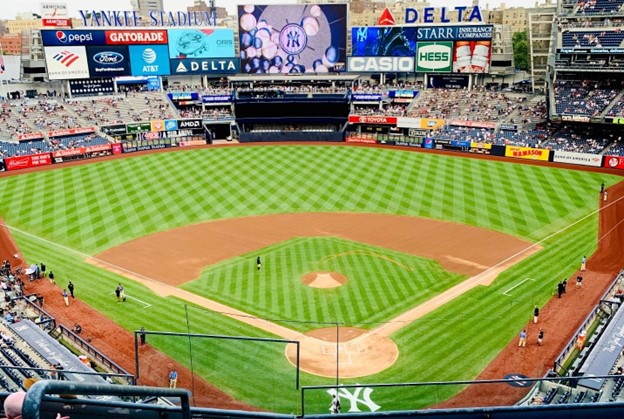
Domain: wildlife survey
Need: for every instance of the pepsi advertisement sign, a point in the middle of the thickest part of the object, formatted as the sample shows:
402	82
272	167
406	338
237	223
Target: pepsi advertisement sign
67	37
149	60
108	61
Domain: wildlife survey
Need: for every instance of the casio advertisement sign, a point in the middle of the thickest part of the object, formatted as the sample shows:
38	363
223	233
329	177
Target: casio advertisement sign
380	64
189	123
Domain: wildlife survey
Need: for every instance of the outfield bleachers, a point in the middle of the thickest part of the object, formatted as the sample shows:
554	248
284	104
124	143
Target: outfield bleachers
592	39
593	7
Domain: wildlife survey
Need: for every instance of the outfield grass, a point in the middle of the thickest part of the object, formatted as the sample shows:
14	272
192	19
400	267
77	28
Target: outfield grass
93	207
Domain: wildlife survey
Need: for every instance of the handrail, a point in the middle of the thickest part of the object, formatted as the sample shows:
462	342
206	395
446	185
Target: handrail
109	363
35	395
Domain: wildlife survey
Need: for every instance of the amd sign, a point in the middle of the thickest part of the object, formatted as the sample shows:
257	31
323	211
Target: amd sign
434	56
189	124
380	64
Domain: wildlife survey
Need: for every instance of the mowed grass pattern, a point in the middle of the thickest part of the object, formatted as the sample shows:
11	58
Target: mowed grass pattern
90	208
381	283
96	206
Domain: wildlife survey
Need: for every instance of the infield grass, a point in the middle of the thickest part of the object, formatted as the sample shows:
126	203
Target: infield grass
93	207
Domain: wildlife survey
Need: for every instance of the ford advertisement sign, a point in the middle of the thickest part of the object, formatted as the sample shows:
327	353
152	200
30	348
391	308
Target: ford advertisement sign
69	37
112	61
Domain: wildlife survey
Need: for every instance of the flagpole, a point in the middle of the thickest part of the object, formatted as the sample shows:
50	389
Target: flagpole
3	90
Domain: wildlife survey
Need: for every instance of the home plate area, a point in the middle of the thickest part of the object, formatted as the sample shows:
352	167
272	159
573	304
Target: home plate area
346	349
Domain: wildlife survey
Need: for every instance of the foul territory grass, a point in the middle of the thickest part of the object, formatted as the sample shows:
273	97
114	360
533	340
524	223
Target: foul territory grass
93	207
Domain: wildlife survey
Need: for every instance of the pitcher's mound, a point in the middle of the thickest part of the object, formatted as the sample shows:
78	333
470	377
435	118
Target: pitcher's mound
324	279
360	352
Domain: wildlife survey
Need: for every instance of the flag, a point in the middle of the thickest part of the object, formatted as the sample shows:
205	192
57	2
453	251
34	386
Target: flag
1	60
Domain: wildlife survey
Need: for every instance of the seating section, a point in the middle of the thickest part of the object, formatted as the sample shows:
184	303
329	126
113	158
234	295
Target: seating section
592	39
580	139
588	7
618	108
11	149
77	141
588	98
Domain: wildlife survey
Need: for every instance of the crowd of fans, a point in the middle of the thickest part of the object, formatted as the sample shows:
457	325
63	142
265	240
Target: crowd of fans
214	112
589	98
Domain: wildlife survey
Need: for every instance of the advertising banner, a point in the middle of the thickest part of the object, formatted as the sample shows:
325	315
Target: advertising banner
216	98
171	125
108	61
420	123
614	120
201	43
292	38
54	14
178	96
150	136
484	146
361	139
23	162
82	150
138	127
403	94
473	124
577	51
53	9
56	22
366	97
136	37
379	120
31	136
614	162
434	57
158	125
472	57
575	118
205	66
581	159
66	63
117	149
190	123
71	37
527	153
387	41
447	81
149	60
115	129
380	64
455	33
75	131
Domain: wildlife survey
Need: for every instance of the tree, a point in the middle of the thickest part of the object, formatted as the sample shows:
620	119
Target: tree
521	50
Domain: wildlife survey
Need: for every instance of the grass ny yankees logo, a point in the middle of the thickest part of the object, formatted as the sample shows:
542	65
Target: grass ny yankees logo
354	399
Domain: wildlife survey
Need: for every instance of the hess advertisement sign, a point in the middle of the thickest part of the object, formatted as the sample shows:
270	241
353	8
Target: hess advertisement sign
434	57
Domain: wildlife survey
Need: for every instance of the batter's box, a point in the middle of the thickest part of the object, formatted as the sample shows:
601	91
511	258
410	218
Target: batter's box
347	348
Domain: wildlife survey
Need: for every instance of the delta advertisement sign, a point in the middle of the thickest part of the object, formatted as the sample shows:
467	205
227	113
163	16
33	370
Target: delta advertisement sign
455	14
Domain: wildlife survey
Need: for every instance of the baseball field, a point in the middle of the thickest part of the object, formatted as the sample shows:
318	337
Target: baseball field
427	265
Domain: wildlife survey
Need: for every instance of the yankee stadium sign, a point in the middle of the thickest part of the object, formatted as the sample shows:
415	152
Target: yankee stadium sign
125	18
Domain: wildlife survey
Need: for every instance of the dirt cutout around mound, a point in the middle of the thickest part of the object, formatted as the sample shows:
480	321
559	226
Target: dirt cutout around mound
164	260
324	279
355	348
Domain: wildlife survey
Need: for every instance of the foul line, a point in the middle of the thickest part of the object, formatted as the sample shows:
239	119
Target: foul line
368	253
517	285
147	305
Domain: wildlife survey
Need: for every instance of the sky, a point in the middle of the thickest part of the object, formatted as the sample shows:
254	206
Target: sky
10	8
